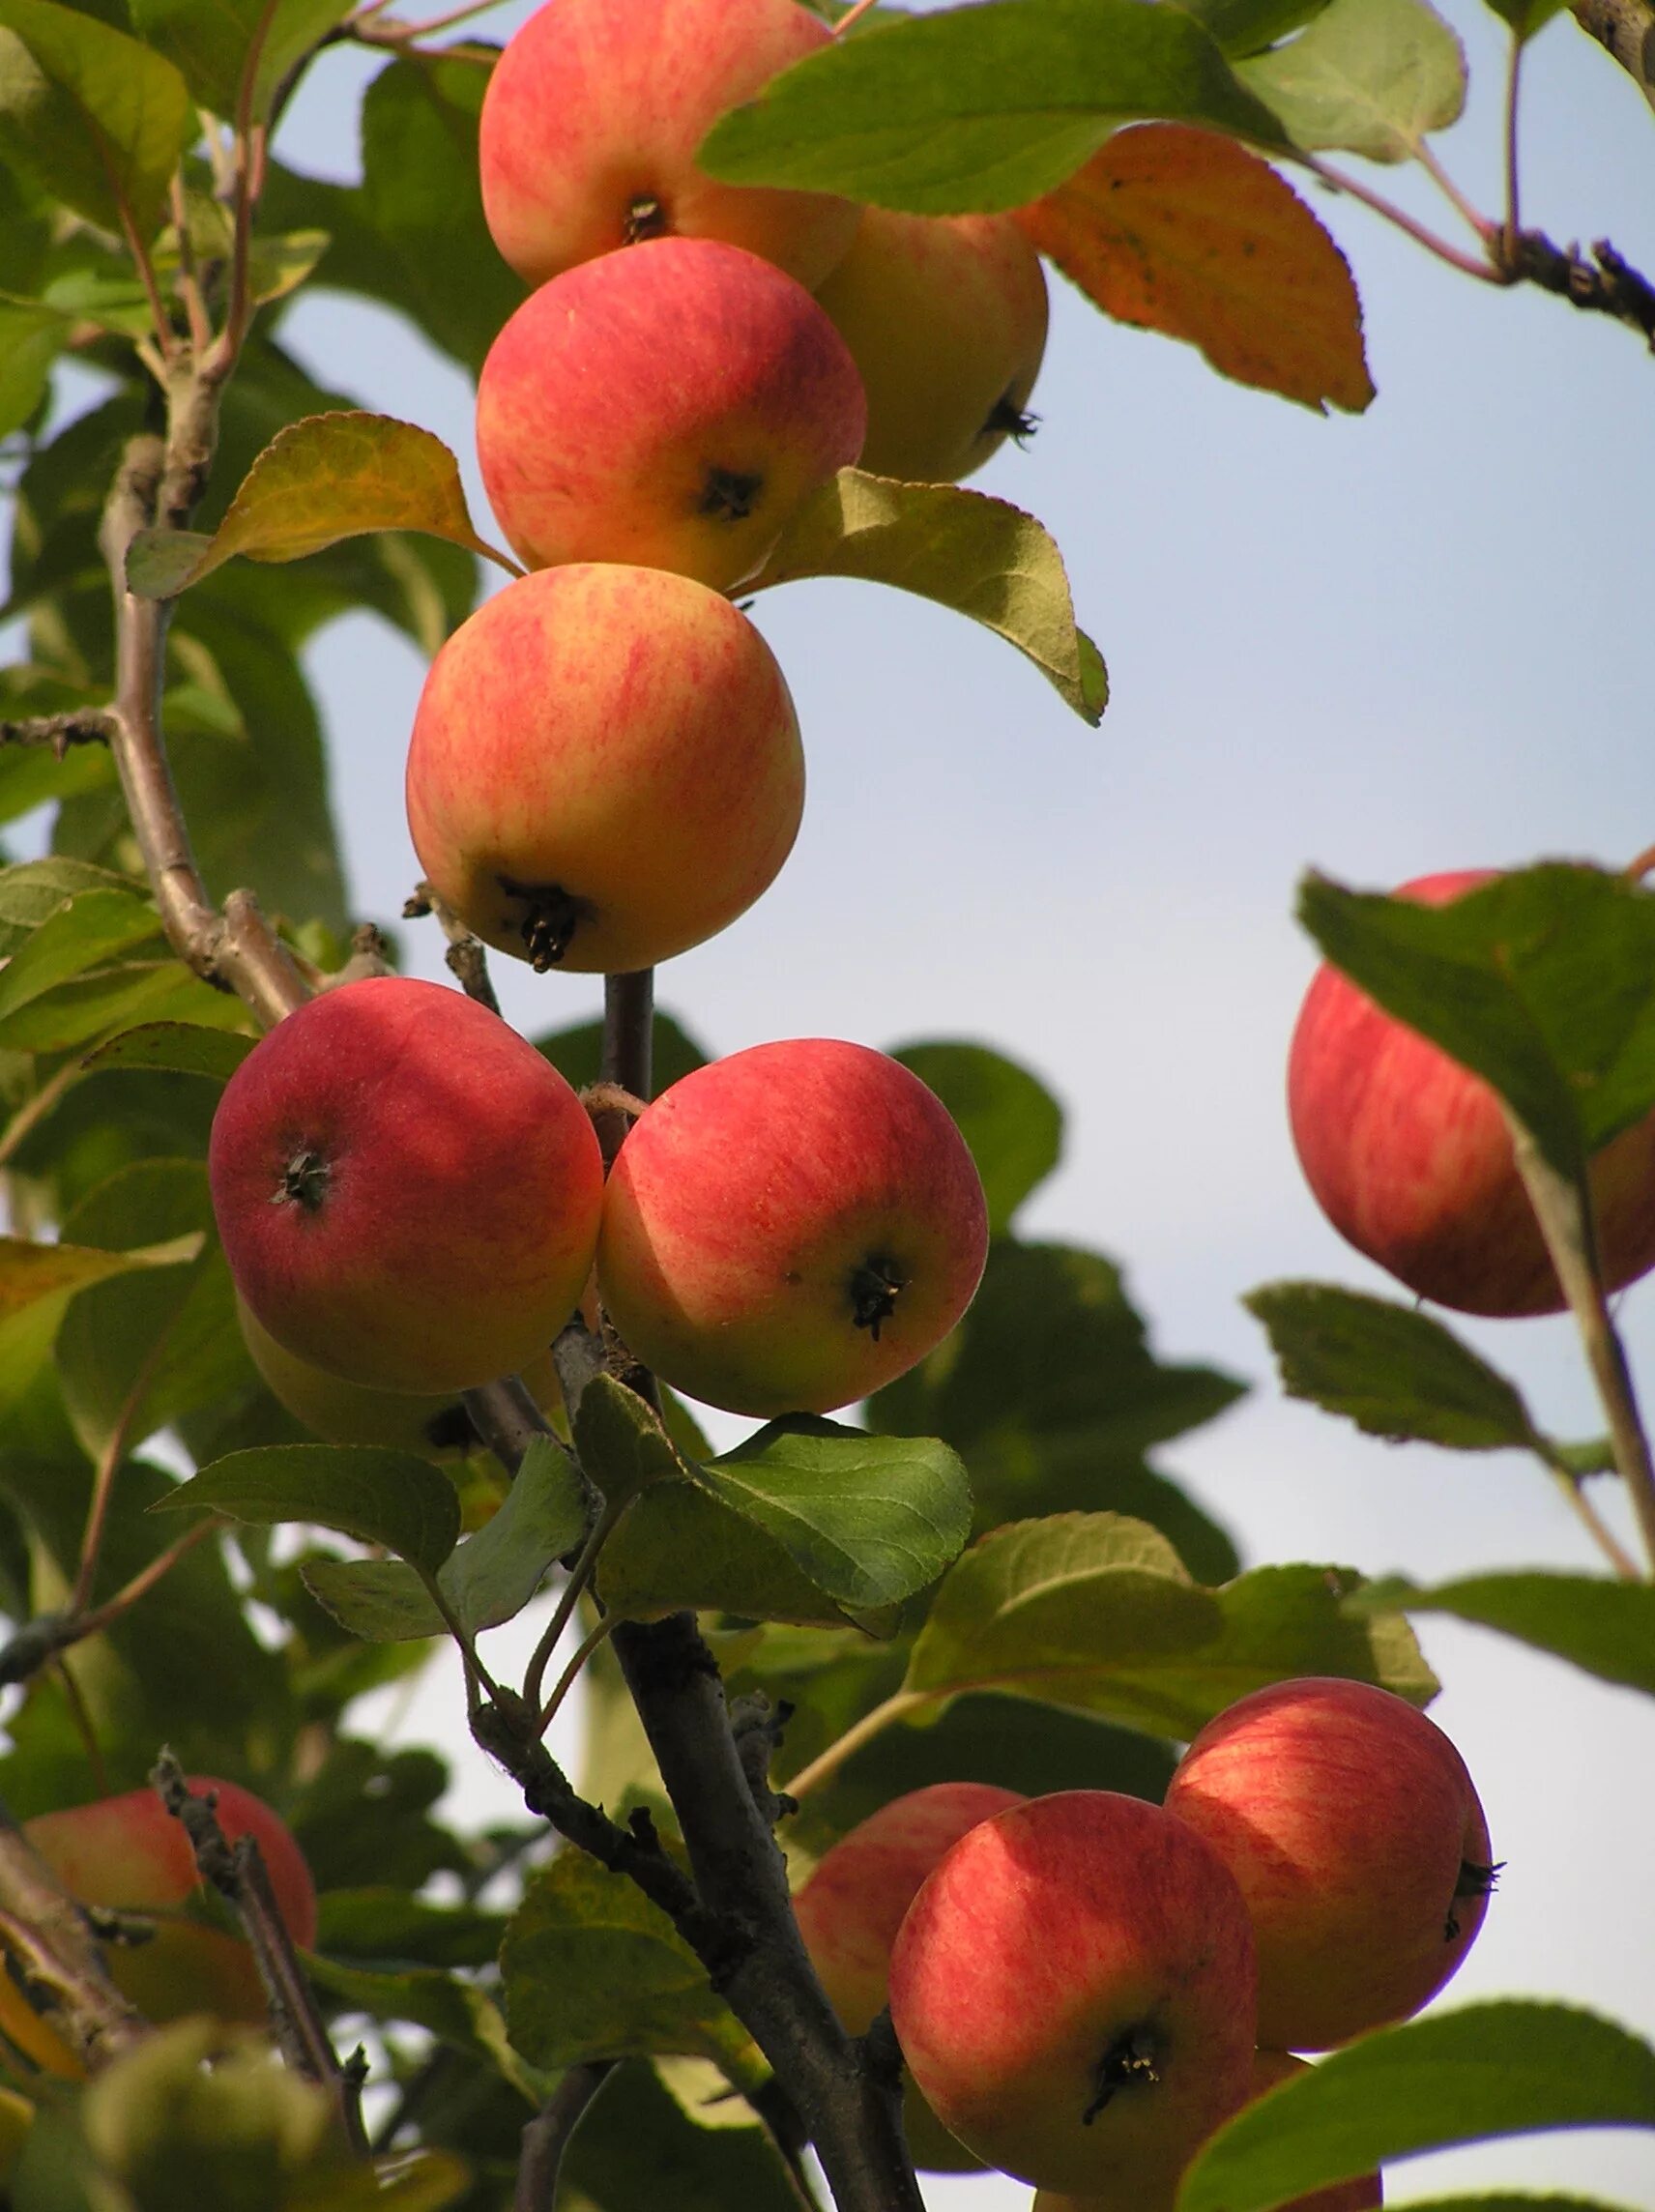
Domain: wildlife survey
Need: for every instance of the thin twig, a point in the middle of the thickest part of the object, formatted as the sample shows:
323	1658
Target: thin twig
166	341
828	1763
1340	181
580	1575
34	1111
188	282
567	1681
79	726
547	2136
1572	1484
1513	82
852	16
466	955
1627	29
108	1467
1425	154
51	1634
240	1875
1606	286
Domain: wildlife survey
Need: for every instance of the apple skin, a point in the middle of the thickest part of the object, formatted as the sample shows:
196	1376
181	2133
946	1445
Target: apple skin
342	1413
1072	1938
1350	1821
1269	2067
851	1909
787	1230
605	768
591	122
129	1854
946	317
670	406
408	1194
1409	1157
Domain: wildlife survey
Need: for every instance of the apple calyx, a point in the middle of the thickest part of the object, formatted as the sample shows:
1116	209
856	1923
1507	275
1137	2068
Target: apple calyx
1006	420
1475	1880
874	1286
303	1181
551	915
646	218
730	495
1129	2063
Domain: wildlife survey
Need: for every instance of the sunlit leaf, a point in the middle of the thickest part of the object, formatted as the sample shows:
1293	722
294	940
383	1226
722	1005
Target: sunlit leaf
1372	76
1606	1627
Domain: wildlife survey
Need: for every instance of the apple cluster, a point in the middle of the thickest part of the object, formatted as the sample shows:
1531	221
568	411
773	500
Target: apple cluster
1085	1986
1410	1157
605	768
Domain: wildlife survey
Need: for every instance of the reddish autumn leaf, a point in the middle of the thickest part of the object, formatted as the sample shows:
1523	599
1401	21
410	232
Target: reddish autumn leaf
1182	231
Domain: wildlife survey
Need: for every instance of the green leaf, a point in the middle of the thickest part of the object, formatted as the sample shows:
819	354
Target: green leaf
1249	26
620	1441
577	1052
982	557
1542	982
487	1580
680	1546
31	1274
235	54
31	338
636	2147
403	2181
1012	1124
458	2013
1394	1371
980	107
868	1519
594	1970
183	1046
331	477
377	1497
83	932
1488	2070
1372	76
1526	16
387	1928
1606	1627
97	118
34	890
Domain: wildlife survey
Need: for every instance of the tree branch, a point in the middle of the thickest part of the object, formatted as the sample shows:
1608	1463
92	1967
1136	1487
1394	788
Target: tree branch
467	959
54	1959
1627	29
1611	287
81	726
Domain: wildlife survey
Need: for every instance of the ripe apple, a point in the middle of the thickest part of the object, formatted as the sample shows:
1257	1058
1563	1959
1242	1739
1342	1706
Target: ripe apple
789	1229
946	317
1353	1829
605	768
407	1192
1073	1990
1408	1156
342	1413
1269	2067
593	118
128	1855
671	406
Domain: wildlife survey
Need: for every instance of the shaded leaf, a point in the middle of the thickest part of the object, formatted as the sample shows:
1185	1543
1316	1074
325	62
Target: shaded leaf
980	107
1541	981
32	1273
1393	1370
1012	1124
82	933
620	1441
1372	76
636	2147
183	1046
97	118
980	556
31	338
458	2013
403	2181
329	477
1248	26
1017	1473
595	1970
1182	231
1526	16
868	1519
680	1546
235	54
377	1497
487	1580
387	1927
577	1052
1606	1627
1460	2077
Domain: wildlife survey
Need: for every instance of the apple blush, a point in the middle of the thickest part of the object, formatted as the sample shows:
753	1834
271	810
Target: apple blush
787	1230
1355	1832
1409	1157
605	768
408	1194
671	406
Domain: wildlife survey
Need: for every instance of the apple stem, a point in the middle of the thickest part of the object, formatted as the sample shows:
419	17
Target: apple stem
828	1763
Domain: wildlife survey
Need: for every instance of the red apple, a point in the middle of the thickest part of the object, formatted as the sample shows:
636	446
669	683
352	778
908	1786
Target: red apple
1073	1992
605	768
127	1854
592	121
407	1192
946	317
1353	1829
1269	2067
789	1229
671	406
1408	1156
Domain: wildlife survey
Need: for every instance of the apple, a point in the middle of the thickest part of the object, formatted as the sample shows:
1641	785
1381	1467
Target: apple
605	768
342	1413
946	317
1409	1157
1353	1829
127	1854
1269	2067
787	1230
408	1194
592	121
671	406
1073	1992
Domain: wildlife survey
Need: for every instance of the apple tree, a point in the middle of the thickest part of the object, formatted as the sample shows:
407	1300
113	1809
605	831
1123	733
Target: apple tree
246	1956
